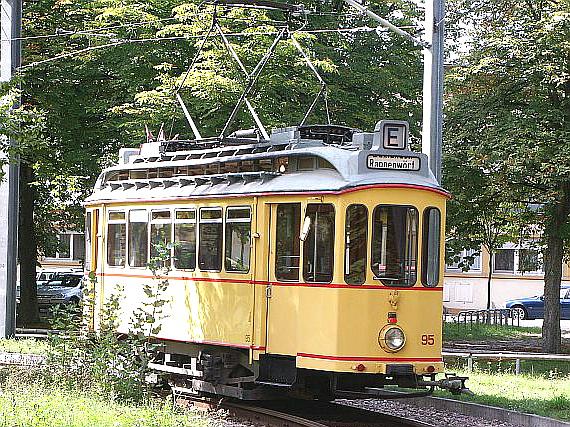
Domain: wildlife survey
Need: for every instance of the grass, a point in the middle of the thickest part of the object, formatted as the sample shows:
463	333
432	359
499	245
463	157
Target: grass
27	346
483	332
31	403
548	397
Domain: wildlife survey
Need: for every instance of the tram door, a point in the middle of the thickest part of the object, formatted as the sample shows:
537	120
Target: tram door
284	262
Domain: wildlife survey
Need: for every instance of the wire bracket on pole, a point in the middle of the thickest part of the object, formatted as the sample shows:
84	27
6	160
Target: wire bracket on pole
387	24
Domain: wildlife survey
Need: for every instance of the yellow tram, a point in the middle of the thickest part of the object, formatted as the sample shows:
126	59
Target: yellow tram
309	264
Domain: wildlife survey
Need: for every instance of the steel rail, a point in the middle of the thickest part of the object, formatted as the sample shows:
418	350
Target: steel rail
300	413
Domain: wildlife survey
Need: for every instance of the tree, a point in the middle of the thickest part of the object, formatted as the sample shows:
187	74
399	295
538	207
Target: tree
97	101
478	217
508	114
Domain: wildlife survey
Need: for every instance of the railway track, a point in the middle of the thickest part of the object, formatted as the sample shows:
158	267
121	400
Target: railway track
301	413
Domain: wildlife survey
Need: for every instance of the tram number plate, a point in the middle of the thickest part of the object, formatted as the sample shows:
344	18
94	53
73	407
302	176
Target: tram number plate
393	162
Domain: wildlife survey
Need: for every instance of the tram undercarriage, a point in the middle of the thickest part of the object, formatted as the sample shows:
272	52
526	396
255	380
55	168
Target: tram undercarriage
210	370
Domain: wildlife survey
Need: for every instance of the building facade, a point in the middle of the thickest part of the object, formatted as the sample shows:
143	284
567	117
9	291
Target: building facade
517	273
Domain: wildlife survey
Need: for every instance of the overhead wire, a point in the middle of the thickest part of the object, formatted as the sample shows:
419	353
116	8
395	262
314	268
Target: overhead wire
92	31
88	32
193	36
361	29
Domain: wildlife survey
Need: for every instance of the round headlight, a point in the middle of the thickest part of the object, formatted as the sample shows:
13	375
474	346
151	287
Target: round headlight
393	339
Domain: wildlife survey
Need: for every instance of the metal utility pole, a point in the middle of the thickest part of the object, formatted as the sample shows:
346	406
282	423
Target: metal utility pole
433	75
432	132
10	56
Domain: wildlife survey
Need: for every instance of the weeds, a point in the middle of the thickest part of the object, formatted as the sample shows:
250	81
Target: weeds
102	361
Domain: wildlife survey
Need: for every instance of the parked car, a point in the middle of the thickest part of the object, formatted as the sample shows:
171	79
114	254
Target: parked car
62	289
46	274
533	307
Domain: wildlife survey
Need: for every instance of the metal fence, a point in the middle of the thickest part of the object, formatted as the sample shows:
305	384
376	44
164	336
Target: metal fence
505	356
497	316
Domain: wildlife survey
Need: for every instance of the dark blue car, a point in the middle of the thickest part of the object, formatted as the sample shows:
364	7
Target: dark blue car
533	307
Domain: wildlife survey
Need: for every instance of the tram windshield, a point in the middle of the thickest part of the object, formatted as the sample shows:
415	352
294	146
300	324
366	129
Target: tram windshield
394	245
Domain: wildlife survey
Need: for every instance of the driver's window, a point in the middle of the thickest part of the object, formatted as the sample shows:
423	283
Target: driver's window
287	243
318	245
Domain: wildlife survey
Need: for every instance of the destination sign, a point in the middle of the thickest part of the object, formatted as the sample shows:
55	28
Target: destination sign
400	163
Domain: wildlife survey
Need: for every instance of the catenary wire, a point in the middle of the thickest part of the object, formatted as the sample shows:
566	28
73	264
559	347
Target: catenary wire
363	29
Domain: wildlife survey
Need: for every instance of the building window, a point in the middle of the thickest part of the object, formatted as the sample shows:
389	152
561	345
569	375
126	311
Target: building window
287	245
185	239
515	260
468	260
529	261
318	248
394	245
116	239
210	239
238	239
431	246
138	238
160	233
70	247
505	260
355	244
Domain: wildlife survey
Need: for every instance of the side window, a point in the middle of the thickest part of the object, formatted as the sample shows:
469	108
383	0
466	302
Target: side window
185	239
238	239
138	238
116	239
394	244
160	231
287	244
318	247
355	243
87	262
210	239
430	247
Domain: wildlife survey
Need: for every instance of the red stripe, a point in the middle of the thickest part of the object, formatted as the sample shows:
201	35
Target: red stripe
371	359
285	193
264	282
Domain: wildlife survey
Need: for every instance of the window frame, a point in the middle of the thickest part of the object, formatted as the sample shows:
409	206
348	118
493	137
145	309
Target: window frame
373	234
116	221
145	266
168	221
185	221
225	239
366	235
275	224
426	245
516	248
464	254
219	220
302	246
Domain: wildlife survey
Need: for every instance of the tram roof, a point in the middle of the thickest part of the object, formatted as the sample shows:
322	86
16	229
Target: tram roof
295	160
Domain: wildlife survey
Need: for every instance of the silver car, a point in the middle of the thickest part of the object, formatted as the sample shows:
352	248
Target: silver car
62	289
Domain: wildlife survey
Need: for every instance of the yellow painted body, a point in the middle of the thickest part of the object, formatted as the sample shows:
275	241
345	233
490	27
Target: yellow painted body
329	327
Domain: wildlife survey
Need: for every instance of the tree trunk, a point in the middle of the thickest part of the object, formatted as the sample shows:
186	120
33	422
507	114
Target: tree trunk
553	258
489	277
27	249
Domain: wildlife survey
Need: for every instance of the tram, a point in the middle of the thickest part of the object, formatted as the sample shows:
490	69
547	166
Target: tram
308	264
